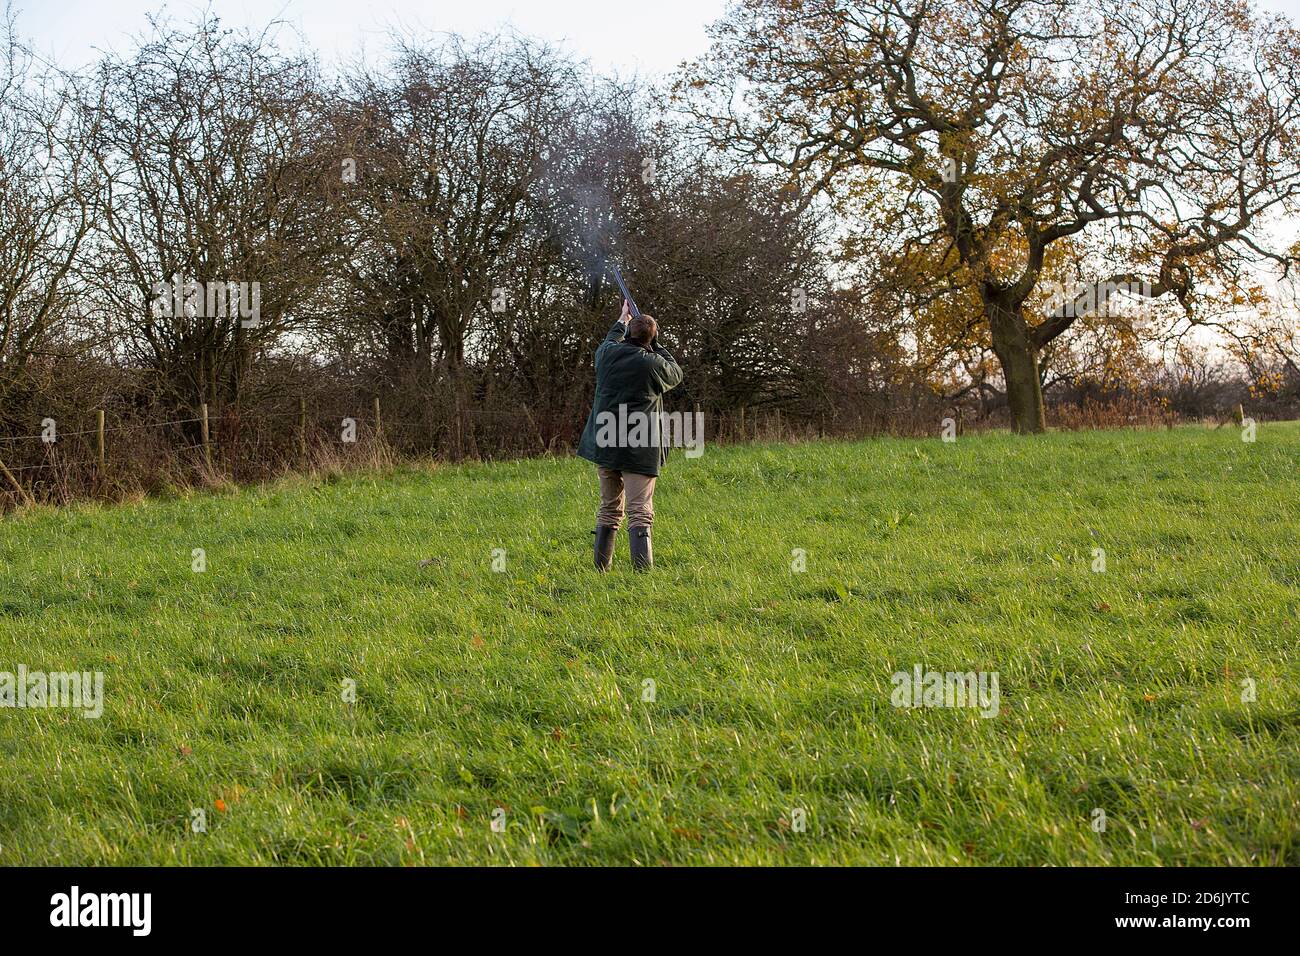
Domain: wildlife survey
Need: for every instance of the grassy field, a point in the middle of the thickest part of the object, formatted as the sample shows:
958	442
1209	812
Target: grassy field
522	689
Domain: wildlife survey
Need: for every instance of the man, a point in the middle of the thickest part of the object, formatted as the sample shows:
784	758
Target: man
624	435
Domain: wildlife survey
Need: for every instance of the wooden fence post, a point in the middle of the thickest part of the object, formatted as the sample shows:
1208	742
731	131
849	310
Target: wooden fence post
100	430
379	425
459	448
302	425
207	448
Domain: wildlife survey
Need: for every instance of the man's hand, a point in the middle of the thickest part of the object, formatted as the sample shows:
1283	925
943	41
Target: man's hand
626	314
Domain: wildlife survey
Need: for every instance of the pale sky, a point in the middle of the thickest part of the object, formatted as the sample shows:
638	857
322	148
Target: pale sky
647	37
630	37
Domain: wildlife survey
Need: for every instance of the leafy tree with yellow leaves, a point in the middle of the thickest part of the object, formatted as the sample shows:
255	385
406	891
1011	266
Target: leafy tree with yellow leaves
1144	149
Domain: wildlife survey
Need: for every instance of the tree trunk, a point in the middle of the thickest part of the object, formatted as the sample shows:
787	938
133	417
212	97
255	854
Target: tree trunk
1014	346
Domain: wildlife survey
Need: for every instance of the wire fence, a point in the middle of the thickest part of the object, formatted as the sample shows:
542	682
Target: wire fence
233	443
242	445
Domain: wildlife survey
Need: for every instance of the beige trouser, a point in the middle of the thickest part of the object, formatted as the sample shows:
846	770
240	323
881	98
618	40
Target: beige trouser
640	493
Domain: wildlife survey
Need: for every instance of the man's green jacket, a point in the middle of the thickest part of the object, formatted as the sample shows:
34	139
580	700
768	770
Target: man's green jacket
624	429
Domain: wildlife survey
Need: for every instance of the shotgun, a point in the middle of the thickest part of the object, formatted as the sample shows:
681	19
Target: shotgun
618	277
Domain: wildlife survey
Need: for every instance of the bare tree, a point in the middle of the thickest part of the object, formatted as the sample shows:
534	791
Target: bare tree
210	246
446	147
46	205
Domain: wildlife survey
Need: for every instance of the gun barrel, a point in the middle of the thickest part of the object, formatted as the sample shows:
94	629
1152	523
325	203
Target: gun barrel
618	277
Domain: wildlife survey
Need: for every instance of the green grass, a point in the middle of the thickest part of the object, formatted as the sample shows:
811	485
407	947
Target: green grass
523	689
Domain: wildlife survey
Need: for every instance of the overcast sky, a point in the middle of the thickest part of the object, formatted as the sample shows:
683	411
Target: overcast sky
632	37
635	36
649	37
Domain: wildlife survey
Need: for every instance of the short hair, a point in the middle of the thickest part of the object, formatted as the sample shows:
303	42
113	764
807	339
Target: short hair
642	329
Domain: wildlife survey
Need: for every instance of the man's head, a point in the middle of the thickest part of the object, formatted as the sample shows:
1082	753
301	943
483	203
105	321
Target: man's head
642	330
